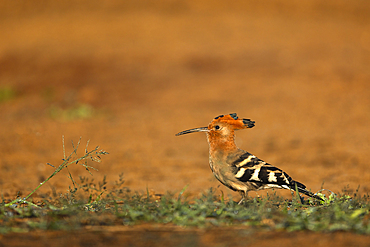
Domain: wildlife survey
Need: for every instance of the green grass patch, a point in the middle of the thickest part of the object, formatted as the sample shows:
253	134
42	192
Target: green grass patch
6	93
76	112
91	203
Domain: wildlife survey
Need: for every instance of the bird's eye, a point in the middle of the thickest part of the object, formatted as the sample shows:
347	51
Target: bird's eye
217	127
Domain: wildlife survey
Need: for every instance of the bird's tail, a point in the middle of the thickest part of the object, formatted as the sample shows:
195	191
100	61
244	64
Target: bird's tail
302	189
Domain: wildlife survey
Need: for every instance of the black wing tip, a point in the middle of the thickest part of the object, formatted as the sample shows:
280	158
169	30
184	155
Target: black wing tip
306	192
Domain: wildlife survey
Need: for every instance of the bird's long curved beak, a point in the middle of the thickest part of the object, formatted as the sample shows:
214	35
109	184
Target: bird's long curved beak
202	129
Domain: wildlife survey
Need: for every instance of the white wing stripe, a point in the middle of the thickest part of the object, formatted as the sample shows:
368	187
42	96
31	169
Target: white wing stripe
240	173
272	177
249	159
255	174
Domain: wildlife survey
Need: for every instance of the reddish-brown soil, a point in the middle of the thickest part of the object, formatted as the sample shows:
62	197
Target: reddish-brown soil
163	236
300	69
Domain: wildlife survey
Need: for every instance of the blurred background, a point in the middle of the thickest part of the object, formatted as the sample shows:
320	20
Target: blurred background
129	75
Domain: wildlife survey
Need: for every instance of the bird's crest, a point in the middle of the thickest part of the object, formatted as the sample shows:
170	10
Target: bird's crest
233	120
230	119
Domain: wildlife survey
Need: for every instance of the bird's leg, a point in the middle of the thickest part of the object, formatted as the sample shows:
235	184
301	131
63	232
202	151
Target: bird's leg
240	202
244	195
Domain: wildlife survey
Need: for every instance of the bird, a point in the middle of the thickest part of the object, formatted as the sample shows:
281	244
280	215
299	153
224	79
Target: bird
237	169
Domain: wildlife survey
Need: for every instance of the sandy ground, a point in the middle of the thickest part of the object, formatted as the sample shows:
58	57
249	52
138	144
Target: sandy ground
148	70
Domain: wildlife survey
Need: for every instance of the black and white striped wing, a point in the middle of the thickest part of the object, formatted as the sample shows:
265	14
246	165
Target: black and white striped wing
250	169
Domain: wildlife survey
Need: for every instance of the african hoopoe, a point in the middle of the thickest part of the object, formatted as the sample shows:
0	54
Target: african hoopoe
236	168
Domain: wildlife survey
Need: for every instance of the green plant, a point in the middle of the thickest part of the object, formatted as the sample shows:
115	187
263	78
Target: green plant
93	155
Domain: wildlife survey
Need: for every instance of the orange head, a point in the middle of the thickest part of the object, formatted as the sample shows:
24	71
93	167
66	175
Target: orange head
222	126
